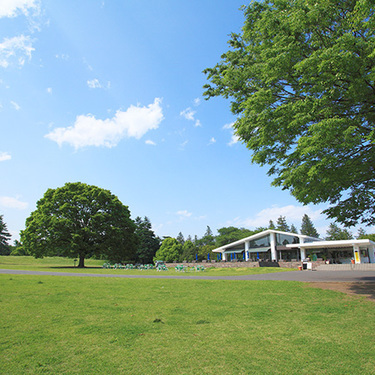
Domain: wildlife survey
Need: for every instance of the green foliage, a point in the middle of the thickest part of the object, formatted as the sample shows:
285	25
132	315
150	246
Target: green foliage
282	225
307	227
169	251
293	229
148	244
231	234
207	239
189	251
180	238
18	249
80	220
334	232
370	237
301	78
4	238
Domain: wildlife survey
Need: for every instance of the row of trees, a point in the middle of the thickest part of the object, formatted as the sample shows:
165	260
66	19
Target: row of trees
179	249
80	221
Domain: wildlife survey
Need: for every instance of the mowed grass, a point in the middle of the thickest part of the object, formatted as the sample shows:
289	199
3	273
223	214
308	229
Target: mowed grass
83	325
58	264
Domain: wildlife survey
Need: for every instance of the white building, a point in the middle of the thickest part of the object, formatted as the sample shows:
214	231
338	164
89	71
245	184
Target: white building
273	245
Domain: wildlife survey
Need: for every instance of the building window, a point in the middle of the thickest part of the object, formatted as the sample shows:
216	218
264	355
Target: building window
283	239
260	242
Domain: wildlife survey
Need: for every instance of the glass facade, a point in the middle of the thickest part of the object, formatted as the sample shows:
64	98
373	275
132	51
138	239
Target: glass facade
283	239
261	242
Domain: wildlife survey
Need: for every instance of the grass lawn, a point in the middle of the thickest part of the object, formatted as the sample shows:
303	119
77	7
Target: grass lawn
80	325
58	264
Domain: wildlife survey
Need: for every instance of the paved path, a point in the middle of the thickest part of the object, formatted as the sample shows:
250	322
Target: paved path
306	276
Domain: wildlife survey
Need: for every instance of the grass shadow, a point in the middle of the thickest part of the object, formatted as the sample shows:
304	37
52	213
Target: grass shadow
365	289
76	268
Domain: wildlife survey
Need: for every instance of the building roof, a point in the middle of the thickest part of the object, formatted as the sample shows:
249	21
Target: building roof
331	244
221	249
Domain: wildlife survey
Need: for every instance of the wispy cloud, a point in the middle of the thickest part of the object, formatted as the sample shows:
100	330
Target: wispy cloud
234	138
197	101
49	90
10	202
183	214
15	105
96	84
212	141
149	142
189	114
5	156
135	122
12	8
15	50
291	212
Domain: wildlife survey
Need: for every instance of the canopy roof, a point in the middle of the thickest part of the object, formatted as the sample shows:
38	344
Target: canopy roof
226	248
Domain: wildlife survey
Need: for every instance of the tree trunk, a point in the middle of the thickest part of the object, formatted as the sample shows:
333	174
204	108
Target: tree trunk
81	263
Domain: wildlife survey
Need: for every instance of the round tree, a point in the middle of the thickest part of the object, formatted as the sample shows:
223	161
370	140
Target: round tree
80	220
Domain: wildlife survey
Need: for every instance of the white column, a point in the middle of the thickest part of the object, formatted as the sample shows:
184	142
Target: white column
302	250
224	256
273	247
247	247
371	254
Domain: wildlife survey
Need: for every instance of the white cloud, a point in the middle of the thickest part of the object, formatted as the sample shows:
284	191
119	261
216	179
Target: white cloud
183	213
88	131
212	141
292	214
197	123
10	202
234	139
5	156
188	113
228	126
149	142
15	106
17	48
11	8
94	84
197	101
183	144
49	90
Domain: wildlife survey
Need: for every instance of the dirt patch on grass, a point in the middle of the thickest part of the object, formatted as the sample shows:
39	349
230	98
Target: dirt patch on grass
358	289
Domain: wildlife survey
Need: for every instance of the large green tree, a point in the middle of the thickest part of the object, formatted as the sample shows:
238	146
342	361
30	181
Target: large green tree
282	225
4	238
308	228
79	220
169	251
334	233
301	79
148	243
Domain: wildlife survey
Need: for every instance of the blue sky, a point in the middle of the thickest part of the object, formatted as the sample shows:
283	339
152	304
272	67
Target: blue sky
110	93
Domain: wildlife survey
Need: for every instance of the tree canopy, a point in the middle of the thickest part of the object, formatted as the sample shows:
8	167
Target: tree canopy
308	228
334	233
148	243
79	220
4	238
301	79
169	251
